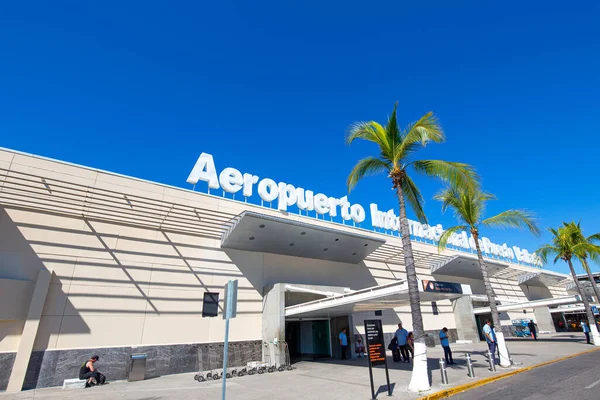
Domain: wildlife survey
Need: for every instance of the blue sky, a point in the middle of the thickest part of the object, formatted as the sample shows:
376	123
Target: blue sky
142	88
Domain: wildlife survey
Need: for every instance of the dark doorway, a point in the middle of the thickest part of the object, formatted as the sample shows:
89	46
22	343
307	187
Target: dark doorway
480	319
308	340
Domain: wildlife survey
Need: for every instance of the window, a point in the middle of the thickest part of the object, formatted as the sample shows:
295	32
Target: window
435	308
210	306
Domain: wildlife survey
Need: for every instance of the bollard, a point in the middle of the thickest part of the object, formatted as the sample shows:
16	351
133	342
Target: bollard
443	371
491	361
470	370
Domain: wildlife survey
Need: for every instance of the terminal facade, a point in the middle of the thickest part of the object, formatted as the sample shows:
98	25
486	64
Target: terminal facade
93	262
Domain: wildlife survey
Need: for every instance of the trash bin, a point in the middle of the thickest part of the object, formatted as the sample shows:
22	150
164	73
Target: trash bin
137	367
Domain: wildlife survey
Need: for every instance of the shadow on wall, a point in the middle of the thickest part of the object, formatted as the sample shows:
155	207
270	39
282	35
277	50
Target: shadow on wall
85	259
19	268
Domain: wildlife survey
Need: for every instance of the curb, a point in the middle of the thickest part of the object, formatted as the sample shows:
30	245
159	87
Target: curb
472	385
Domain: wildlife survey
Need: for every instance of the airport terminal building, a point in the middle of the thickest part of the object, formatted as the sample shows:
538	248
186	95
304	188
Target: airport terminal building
93	262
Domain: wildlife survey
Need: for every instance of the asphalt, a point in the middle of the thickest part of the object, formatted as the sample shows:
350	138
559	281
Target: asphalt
575	378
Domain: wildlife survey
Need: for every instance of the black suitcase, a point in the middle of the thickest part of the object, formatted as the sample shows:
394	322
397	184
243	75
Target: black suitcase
396	355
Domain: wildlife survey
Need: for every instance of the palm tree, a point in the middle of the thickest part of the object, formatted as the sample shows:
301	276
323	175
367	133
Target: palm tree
587	248
468	207
396	149
567	244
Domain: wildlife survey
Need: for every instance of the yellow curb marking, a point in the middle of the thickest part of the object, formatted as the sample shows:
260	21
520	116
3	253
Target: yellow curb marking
472	385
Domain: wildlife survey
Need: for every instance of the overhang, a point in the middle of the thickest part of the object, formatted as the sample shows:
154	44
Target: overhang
586	286
467	267
390	295
541	279
251	231
530	304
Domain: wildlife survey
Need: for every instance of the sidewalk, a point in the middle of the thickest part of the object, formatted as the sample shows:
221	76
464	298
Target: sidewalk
331	379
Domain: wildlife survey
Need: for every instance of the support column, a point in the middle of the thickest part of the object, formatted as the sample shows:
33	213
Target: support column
464	317
38	299
543	319
273	320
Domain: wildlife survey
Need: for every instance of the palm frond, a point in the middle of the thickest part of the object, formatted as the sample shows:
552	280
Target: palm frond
447	233
595	238
393	135
449	197
413	195
426	129
513	219
547	250
457	174
465	205
370	131
366	166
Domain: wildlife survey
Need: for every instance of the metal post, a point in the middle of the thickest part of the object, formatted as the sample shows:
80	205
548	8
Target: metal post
443	371
491	360
229	306
470	370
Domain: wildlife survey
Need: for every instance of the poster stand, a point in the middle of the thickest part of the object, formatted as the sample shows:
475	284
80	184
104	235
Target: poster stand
376	351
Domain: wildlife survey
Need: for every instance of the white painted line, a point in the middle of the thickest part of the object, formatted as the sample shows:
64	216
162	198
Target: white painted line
593	384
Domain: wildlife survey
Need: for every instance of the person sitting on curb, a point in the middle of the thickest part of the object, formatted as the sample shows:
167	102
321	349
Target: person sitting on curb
89	373
360	348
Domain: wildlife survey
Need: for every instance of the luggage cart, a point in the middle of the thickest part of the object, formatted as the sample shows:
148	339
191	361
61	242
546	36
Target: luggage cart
212	374
267	364
273	367
288	359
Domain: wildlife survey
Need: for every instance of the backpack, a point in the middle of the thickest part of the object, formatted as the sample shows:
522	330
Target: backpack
393	344
101	379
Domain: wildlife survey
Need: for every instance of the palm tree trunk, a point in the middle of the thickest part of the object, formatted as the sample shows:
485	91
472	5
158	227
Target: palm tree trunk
489	291
591	278
419	381
586	305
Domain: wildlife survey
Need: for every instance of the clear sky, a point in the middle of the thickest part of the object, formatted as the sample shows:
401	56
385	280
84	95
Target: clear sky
142	88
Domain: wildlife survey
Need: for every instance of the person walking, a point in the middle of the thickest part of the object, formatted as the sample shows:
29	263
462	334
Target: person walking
532	329
446	346
402	338
343	343
490	338
586	331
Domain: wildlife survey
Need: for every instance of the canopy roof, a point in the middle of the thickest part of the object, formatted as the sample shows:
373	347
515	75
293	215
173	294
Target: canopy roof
252	231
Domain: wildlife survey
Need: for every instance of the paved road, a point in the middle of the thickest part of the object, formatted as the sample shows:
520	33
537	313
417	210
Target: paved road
575	378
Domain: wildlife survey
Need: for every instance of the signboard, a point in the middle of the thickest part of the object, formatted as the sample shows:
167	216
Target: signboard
231	289
210	305
376	351
595	310
441	287
232	181
375	343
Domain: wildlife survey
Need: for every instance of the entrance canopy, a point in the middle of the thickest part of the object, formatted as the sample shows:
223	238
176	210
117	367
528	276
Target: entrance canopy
389	295
586	287
253	231
542	279
530	304
464	266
